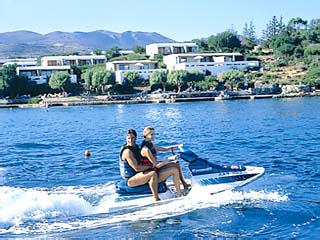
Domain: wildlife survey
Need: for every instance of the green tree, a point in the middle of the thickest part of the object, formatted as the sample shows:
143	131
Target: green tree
224	42
132	78
298	51
312	54
282	44
159	78
77	71
4	82
312	49
97	52
274	27
7	73
313	33
98	80
209	82
109	78
11	84
87	77
139	49
178	78
194	76
281	25
249	36
202	44
59	80
19	85
232	78
296	25
312	78
102	78
130	57
113	52
158	57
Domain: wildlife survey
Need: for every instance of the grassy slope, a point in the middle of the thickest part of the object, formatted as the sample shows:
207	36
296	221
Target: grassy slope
285	74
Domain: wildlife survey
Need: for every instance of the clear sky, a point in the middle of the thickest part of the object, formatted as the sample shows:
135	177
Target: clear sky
180	20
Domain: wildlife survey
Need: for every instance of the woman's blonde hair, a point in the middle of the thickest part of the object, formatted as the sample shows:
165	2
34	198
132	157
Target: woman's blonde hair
147	130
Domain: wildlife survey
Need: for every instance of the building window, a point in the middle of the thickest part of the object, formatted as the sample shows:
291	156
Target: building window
189	49
98	61
161	50
82	62
123	67
177	50
52	63
167	50
69	62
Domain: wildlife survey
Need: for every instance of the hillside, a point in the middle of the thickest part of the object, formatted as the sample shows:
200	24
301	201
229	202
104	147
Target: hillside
284	74
30	44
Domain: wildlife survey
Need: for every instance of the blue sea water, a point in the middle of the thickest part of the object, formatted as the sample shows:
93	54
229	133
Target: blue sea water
49	190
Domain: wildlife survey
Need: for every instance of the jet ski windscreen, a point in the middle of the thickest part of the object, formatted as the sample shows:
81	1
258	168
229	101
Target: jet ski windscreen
189	156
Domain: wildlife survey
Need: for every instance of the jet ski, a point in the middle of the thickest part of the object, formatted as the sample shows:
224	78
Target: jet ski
211	177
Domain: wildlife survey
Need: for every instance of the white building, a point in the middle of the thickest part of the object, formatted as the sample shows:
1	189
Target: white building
126	52
170	48
20	62
41	74
212	62
144	67
73	60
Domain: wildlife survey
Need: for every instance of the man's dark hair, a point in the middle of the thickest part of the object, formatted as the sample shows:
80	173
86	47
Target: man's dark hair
132	131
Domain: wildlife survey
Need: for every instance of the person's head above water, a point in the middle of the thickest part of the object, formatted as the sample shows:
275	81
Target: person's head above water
149	133
131	137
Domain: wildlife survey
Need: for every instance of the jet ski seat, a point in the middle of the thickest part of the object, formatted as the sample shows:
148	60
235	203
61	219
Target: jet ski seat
123	188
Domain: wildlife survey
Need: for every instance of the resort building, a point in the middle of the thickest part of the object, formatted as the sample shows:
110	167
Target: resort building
41	74
170	48
20	62
208	62
73	60
144	67
126	52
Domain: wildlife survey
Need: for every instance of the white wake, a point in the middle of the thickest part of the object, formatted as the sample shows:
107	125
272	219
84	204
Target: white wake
42	210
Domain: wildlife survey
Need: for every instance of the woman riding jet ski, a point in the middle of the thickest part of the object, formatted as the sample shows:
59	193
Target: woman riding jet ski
149	154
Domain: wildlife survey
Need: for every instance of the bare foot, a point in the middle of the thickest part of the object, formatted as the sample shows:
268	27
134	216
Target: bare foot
186	185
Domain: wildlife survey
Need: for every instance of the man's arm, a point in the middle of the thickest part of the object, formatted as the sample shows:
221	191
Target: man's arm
129	157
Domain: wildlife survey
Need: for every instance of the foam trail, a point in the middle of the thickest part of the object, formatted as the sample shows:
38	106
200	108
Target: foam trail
71	208
18	205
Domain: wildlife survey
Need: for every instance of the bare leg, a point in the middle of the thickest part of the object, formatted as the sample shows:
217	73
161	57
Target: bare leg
168	172
182	179
153	183
178	166
141	178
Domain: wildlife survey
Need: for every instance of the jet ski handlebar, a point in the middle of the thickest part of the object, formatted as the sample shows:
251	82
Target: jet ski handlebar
185	154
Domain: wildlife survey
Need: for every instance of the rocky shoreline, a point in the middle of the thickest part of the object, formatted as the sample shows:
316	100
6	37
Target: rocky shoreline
140	99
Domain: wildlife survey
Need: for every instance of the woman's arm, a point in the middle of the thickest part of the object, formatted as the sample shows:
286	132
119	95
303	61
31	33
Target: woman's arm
145	152
165	149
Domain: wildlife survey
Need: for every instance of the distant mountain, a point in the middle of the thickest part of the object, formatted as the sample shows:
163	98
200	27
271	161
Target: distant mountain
31	44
